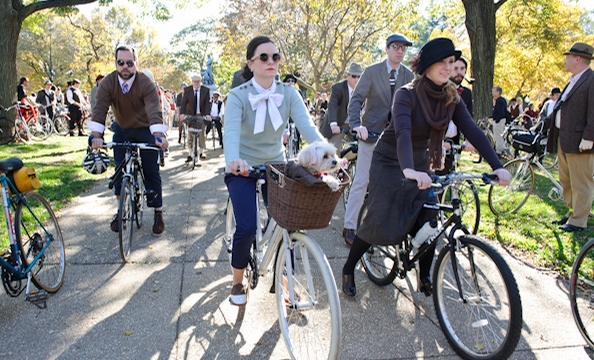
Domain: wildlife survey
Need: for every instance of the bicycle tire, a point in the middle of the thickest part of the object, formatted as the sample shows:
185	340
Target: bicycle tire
7	130
230	226
47	124
61	125
491	299
469	202
505	200
194	150
22	131
126	218
139	196
37	130
581	292
351	169
379	261
36	225
310	320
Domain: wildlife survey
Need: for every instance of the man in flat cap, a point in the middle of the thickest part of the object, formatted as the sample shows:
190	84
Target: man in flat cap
47	98
375	90
571	136
196	102
336	117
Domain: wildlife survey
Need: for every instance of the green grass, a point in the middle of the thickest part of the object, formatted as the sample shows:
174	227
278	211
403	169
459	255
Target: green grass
57	163
528	233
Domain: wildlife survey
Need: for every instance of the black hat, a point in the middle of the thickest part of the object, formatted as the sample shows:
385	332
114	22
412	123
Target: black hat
289	76
398	38
434	51
555	91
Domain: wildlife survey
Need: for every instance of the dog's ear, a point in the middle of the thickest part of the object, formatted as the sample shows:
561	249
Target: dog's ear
306	157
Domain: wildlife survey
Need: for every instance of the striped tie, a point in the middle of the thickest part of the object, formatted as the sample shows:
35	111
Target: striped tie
125	88
392	81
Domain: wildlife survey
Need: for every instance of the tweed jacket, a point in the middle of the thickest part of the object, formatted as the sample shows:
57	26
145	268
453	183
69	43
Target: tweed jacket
577	117
337	108
240	142
373	90
188	105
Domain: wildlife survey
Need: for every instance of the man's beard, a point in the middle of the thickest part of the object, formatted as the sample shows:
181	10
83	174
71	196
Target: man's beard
126	76
456	81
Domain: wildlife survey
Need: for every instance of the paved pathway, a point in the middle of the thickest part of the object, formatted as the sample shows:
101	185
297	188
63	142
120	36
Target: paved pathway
171	301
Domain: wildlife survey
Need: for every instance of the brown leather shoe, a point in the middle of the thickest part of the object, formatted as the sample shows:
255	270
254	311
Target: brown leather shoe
349	236
158	225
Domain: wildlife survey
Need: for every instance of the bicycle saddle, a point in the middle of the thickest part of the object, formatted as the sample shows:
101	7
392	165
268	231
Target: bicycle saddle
11	164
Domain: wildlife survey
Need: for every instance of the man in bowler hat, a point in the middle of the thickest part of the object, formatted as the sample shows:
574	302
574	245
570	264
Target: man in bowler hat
571	136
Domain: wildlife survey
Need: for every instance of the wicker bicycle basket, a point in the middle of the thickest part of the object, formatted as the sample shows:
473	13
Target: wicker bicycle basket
295	206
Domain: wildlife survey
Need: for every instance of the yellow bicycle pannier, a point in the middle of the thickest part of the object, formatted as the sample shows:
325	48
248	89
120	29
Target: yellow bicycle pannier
25	179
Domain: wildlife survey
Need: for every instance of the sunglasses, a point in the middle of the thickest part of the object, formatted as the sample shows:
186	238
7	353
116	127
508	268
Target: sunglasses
130	63
399	47
264	57
354	76
290	81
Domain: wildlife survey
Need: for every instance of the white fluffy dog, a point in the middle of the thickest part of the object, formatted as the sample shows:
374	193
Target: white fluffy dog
320	160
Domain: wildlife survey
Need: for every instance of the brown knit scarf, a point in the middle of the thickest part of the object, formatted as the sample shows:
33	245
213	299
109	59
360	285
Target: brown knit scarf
438	120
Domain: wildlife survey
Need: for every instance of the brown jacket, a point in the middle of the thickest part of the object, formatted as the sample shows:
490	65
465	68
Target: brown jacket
577	117
139	108
188	105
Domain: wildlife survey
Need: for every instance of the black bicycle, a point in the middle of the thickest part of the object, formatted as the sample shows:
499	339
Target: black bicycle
475	294
581	292
133	194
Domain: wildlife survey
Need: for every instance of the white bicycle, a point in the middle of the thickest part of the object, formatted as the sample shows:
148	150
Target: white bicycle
307	301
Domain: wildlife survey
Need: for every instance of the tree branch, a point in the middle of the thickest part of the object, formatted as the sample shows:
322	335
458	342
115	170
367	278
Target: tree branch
49	4
498	4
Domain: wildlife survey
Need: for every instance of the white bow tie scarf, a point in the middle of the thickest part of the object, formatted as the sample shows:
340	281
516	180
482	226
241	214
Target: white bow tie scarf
259	102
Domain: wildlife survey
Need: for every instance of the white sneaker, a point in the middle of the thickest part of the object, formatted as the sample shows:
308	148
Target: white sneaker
238	295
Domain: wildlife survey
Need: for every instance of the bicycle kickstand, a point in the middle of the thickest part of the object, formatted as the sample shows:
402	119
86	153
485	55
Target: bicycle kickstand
38	297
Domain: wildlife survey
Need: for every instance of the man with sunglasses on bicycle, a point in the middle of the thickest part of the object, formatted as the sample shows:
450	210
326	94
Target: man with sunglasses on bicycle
135	104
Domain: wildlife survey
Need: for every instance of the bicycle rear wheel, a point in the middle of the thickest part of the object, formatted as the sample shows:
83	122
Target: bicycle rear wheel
380	261
469	203
484	321
126	218
61	125
581	292
7	130
38	234
509	199
37	130
22	131
308	306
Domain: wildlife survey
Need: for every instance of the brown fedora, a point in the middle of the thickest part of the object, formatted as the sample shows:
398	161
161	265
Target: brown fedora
581	49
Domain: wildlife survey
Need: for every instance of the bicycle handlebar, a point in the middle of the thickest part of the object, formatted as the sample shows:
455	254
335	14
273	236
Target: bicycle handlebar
440	181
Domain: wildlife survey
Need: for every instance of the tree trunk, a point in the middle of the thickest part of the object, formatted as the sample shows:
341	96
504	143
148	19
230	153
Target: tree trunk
480	23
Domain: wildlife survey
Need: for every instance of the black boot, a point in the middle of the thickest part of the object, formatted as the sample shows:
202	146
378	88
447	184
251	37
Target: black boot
348	285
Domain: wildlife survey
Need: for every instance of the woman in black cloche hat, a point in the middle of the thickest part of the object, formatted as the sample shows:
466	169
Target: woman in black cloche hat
411	147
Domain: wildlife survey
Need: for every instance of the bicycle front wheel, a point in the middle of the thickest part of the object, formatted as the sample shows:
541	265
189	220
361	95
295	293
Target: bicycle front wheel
139	196
469	203
229	227
476	300
7	131
351	169
39	236
38	132
61	125
126	218
22	131
509	199
581	292
308	306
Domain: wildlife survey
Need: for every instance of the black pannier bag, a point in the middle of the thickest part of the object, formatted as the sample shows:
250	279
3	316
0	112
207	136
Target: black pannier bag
528	141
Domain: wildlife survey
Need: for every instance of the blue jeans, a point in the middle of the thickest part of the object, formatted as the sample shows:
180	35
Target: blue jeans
150	165
242	191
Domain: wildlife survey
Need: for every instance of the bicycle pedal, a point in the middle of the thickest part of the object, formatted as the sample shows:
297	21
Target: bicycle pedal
38	298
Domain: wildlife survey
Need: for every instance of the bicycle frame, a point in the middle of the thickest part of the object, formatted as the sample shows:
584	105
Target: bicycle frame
557	189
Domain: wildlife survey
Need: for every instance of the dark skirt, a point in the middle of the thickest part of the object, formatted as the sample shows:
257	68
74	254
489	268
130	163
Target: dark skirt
394	209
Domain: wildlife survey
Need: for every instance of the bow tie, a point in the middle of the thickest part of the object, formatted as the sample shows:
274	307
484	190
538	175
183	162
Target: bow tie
259	102
460	90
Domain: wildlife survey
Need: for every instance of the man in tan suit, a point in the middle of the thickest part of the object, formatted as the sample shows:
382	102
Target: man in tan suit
571	136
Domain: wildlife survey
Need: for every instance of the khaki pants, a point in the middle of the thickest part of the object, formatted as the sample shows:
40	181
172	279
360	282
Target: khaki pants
201	136
575	176
359	185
